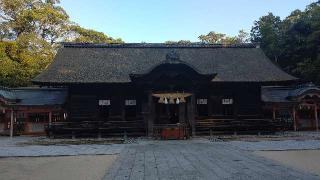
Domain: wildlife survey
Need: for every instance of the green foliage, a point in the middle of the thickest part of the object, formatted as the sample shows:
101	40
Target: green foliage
90	36
30	32
22	59
294	43
46	19
212	37
267	32
219	38
182	42
310	69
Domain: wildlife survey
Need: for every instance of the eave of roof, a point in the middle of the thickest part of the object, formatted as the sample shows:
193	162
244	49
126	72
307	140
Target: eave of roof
286	94
31	96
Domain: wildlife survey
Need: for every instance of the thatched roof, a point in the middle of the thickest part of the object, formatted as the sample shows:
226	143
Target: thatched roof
113	63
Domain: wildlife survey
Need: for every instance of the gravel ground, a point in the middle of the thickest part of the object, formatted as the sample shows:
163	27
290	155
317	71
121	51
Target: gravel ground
275	145
306	160
23	146
15	147
56	168
15	141
65	150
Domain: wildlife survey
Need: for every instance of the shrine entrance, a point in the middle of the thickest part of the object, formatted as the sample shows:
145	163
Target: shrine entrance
167	113
169	109
171	119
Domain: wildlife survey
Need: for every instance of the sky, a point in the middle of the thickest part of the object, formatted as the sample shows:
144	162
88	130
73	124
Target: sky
156	21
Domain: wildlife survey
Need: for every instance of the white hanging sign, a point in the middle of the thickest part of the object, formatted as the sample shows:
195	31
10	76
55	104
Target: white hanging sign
227	101
104	102
130	102
202	101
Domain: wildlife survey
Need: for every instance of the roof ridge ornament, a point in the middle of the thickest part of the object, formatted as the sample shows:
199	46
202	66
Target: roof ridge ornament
172	56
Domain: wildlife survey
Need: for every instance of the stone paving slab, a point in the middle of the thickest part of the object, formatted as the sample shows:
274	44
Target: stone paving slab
196	160
60	150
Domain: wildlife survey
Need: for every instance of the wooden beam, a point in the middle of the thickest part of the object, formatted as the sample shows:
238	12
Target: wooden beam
36	109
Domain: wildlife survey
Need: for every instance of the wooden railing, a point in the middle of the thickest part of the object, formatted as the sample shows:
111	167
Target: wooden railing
243	125
135	127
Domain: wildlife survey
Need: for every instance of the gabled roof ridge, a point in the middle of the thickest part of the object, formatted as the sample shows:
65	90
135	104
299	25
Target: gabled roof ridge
157	45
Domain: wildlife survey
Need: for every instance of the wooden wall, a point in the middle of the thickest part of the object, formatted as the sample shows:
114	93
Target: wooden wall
83	103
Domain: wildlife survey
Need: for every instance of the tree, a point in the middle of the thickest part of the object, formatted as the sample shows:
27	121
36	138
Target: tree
294	43
304	37
243	37
182	42
310	69
43	18
22	59
80	34
30	32
220	38
267	32
212	38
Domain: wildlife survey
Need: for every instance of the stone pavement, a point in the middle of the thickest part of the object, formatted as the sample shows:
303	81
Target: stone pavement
196	159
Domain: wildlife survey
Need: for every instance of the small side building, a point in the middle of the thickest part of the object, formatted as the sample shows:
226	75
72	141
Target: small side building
297	107
30	109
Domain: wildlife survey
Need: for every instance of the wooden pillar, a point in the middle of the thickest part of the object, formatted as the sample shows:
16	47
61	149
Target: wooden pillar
316	117
145	113
273	113
235	109
11	123
151	114
191	115
294	118
209	106
182	113
123	109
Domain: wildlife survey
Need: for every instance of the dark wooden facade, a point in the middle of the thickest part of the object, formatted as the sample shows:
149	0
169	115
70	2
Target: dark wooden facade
144	89
83	105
